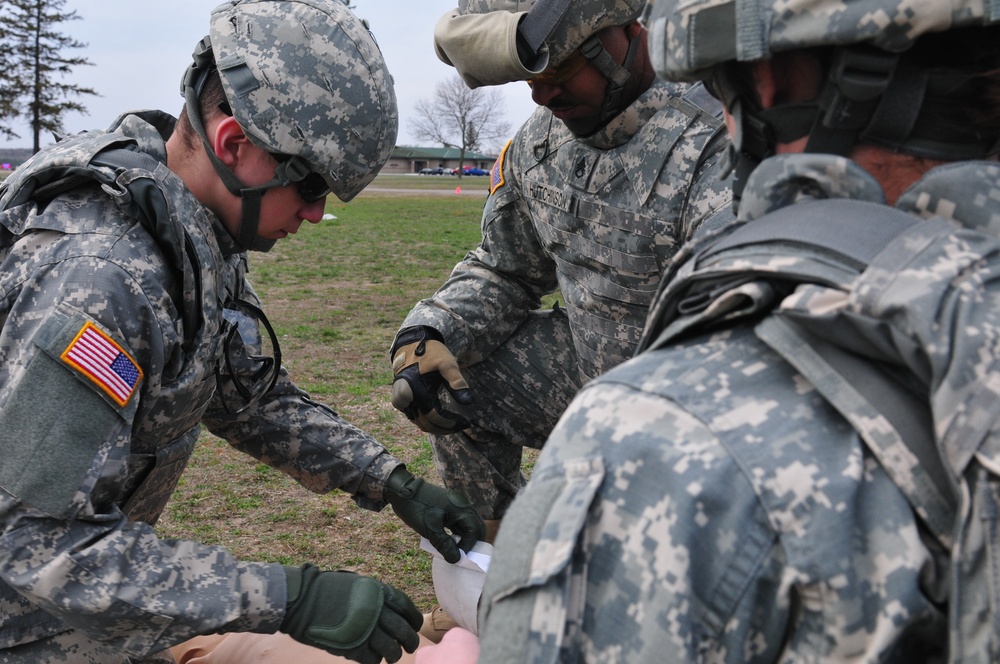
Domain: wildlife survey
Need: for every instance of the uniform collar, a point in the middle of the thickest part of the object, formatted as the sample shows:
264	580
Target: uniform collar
953	191
787	179
626	124
150	130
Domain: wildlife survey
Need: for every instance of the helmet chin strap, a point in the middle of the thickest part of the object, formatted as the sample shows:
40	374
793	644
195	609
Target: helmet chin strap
191	87
869	96
618	75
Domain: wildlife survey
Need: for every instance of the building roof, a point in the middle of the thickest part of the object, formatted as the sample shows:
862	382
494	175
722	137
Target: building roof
408	152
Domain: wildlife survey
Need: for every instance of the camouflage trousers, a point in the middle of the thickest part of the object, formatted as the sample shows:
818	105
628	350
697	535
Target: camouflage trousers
75	648
521	390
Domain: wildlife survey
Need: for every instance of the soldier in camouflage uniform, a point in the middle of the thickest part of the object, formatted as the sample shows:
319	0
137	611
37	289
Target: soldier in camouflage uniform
707	501
127	322
580	203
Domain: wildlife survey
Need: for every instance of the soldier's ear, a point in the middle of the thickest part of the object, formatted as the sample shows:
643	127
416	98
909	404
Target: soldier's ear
229	141
763	72
787	78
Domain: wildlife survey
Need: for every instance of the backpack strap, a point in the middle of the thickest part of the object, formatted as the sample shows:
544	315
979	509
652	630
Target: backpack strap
129	177
828	243
854	232
894	422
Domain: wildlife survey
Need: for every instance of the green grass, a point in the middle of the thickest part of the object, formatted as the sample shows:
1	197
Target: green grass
336	293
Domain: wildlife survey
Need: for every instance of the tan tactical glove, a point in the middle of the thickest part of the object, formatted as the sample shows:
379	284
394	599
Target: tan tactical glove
421	364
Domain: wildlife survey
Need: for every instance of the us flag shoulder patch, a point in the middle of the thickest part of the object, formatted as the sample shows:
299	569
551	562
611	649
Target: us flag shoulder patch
496	175
102	361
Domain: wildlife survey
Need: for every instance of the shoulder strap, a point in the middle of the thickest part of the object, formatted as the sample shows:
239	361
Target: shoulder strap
825	242
852	231
698	96
130	177
895	423
828	243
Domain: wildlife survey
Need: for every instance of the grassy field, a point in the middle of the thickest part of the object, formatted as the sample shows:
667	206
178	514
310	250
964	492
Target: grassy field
336	293
468	183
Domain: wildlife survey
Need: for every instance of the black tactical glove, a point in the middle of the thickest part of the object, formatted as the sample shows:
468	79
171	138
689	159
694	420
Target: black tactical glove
349	615
421	364
429	509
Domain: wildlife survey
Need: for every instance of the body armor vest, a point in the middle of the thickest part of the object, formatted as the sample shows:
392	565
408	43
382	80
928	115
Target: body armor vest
143	189
891	317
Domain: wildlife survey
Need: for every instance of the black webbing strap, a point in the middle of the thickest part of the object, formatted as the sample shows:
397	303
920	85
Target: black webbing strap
855	230
542	19
123	158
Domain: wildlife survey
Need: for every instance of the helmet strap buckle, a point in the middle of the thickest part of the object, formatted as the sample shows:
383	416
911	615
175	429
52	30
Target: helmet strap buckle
858	77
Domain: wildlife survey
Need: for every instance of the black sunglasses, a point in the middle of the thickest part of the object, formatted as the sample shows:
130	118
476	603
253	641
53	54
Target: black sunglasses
312	186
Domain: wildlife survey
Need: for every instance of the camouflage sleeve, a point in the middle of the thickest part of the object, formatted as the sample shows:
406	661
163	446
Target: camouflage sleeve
490	293
301	437
65	546
116	581
703	503
620	559
709	202
309	442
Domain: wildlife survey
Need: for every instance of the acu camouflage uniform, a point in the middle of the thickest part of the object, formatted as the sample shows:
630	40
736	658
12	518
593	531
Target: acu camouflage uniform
87	470
706	501
598	218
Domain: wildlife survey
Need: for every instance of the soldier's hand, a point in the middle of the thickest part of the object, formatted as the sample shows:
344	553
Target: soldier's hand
429	509
349	615
421	364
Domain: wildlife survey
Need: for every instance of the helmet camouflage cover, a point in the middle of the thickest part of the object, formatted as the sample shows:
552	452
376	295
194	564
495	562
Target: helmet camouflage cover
687	37
306	78
478	38
583	18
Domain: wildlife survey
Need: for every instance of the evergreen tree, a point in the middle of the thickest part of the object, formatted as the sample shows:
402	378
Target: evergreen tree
9	78
37	56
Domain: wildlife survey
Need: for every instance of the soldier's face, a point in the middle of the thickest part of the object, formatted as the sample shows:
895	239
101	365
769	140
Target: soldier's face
581	96
282	209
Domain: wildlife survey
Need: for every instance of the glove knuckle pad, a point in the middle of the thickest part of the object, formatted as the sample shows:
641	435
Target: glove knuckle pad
364	605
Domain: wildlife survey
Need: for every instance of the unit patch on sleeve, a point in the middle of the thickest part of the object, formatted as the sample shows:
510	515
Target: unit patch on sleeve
102	361
496	175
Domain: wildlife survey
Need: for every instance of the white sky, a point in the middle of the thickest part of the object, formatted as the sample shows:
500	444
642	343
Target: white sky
140	48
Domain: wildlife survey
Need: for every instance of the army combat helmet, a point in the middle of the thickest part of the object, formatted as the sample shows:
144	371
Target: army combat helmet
872	92
492	42
307	83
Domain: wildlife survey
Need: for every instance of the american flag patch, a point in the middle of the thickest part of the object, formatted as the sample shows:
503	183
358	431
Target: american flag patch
100	359
496	175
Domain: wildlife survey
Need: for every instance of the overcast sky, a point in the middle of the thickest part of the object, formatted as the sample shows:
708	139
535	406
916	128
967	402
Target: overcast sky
140	48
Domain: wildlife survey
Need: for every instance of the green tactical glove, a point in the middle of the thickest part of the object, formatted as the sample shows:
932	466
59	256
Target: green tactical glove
421	364
429	509
349	615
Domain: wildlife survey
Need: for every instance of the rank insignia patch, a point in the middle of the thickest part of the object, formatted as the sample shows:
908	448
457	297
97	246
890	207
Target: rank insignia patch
496	175
98	357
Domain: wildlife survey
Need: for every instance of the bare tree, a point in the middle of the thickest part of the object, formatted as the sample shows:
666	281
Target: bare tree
36	53
459	117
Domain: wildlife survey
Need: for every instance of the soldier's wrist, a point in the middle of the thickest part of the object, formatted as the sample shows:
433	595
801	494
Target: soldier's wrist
414	334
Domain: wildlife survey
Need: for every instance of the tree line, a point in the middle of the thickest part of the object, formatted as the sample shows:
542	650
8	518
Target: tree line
36	58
